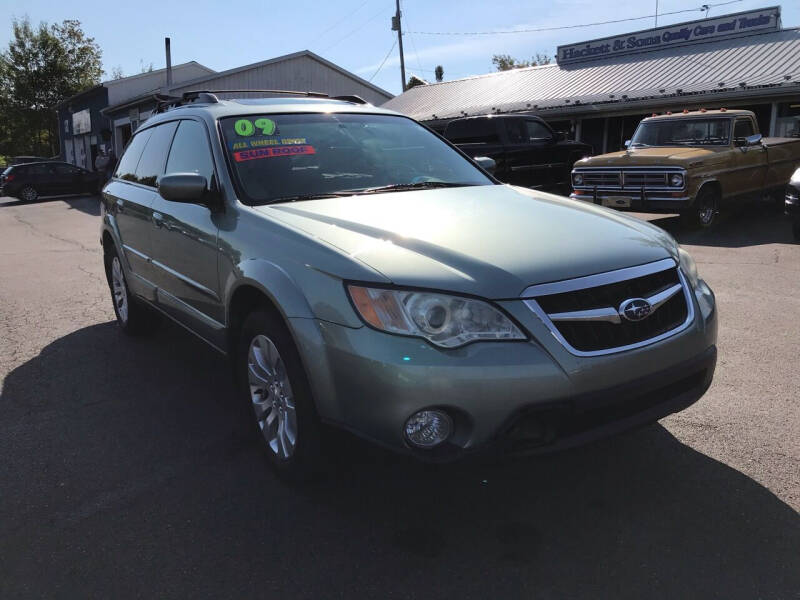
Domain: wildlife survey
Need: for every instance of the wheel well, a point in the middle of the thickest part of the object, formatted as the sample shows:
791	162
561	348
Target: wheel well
715	185
108	242
245	300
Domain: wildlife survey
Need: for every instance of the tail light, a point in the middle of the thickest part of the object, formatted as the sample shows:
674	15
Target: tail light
8	178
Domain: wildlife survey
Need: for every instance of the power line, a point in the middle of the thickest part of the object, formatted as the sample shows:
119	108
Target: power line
367	22
388	54
344	18
705	7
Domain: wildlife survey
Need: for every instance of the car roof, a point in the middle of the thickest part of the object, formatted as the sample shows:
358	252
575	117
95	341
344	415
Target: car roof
702	114
260	106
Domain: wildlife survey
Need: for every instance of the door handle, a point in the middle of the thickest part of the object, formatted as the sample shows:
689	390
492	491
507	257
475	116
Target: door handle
158	219
120	204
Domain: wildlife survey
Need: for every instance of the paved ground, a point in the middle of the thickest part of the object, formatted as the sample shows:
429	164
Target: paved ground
122	473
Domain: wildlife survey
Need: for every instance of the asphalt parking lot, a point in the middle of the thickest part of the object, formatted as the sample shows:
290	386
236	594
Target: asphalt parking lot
124	473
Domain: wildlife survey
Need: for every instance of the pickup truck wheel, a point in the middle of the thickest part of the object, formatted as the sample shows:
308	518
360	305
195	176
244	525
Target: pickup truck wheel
278	397
703	213
132	316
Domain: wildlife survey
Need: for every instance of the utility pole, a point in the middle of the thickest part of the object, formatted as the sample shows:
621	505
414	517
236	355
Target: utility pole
396	26
656	25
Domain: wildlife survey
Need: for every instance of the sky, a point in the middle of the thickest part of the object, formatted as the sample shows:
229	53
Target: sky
355	34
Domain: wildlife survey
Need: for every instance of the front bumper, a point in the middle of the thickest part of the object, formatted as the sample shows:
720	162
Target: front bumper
371	382
639	201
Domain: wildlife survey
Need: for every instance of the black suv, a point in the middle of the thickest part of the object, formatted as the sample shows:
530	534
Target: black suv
525	148
48	178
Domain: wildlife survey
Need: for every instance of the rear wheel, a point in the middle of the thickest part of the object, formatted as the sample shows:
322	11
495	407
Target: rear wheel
28	193
132	316
702	214
277	396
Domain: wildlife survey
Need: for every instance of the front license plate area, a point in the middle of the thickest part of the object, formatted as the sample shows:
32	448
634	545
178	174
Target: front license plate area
617	202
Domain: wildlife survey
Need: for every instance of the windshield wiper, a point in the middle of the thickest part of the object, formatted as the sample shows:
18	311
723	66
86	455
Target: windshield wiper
302	197
402	187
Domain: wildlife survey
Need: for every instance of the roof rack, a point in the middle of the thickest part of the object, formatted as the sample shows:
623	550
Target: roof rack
165	102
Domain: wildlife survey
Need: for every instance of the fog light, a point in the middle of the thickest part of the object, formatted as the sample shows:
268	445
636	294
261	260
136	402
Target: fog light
428	428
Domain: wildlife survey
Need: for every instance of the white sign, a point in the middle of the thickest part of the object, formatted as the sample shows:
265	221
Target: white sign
81	122
734	25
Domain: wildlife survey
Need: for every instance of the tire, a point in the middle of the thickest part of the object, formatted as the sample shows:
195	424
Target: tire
132	316
28	194
702	214
276	397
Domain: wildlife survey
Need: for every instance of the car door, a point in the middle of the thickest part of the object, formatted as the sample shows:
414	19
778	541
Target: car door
529	153
185	240
750	161
67	178
129	206
42	177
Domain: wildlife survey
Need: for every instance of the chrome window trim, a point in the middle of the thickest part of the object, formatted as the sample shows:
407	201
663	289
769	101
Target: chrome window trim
545	319
580	283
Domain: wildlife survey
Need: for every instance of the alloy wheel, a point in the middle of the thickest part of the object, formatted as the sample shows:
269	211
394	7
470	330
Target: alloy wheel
271	396
119	290
29	194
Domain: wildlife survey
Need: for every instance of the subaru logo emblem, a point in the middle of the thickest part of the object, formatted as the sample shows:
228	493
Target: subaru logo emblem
635	309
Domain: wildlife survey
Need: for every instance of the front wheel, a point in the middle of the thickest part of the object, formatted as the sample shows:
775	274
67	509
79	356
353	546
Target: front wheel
277	396
702	214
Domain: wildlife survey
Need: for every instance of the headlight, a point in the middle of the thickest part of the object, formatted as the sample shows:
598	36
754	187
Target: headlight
688	267
444	320
577	179
676	180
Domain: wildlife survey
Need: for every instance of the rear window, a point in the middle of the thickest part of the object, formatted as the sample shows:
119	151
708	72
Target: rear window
130	158
473	131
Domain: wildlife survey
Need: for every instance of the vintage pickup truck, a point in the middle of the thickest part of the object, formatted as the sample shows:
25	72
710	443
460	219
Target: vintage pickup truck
692	163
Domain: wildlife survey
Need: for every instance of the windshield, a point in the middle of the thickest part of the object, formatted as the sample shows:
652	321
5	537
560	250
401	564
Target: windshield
283	157
690	132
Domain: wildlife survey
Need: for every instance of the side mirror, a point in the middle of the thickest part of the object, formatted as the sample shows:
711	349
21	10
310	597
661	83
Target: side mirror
183	187
486	163
560	136
627	143
753	140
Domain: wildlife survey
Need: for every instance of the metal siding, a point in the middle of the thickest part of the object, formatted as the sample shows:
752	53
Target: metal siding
302	73
757	60
120	90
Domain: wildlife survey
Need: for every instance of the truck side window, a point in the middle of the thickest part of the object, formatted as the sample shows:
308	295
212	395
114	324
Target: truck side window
473	131
517	132
742	129
537	132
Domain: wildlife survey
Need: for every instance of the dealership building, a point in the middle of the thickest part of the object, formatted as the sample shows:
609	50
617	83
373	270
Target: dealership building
599	90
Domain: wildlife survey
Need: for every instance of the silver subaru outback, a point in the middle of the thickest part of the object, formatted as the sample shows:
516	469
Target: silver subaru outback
361	272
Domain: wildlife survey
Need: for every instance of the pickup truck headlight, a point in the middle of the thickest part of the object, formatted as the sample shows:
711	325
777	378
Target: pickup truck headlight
676	180
444	320
577	178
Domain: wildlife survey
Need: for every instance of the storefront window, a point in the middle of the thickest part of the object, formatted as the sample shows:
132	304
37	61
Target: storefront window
788	122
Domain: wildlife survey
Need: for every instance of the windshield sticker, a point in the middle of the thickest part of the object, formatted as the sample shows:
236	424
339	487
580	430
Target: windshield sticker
262	142
273	151
246	127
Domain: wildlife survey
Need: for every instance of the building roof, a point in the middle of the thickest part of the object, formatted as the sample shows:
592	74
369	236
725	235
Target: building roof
729	68
302	53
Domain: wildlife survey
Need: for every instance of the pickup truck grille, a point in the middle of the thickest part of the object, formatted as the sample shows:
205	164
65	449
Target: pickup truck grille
634	179
587	319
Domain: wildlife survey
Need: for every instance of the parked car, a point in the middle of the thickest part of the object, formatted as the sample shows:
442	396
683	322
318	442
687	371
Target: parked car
361	272
18	160
32	180
525	149
792	203
692	163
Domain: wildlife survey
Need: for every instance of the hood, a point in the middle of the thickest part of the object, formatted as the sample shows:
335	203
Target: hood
663	156
490	241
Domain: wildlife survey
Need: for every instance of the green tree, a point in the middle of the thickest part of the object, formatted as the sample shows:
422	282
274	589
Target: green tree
439	73
414	81
506	62
41	67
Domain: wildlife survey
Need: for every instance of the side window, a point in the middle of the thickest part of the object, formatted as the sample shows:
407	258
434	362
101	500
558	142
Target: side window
742	129
473	131
127	164
190	152
154	157
39	170
63	169
537	131
517	133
